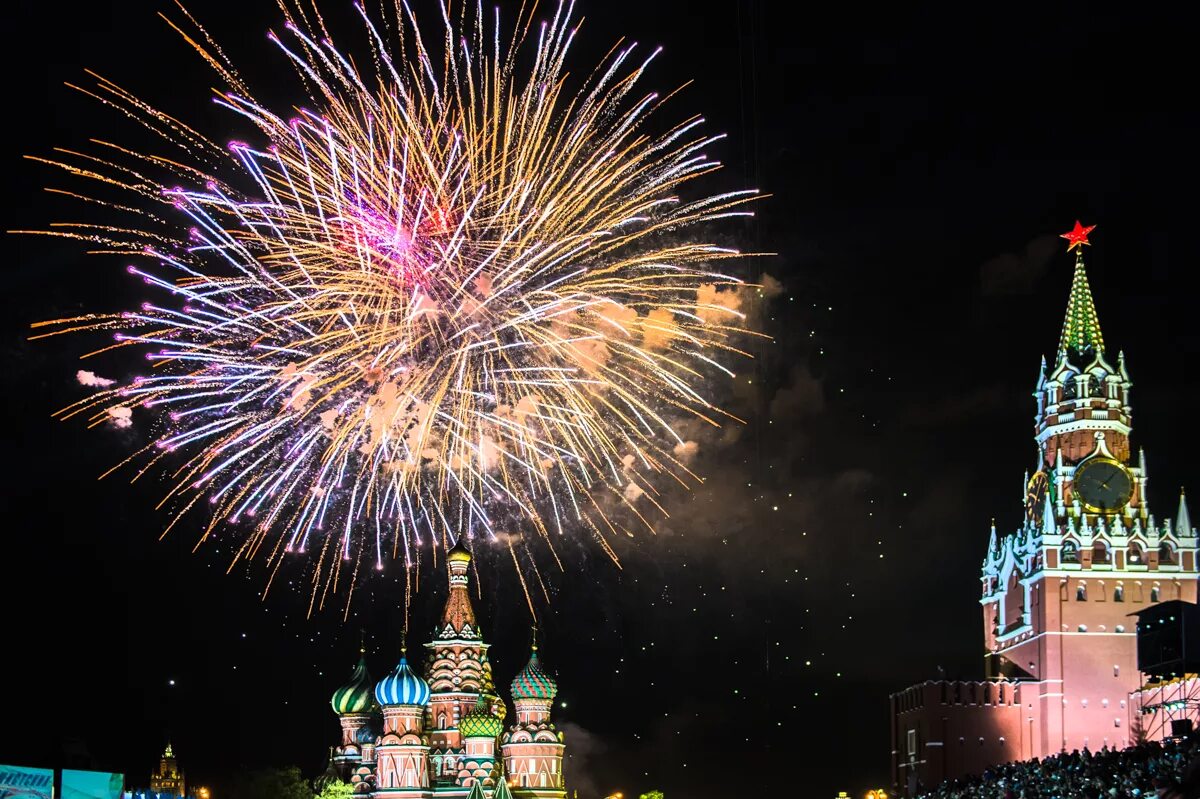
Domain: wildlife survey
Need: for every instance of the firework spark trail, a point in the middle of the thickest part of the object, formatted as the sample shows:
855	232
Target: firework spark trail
429	302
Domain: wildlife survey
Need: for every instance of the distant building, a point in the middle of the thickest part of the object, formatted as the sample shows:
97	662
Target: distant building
166	782
443	734
1057	593
168	779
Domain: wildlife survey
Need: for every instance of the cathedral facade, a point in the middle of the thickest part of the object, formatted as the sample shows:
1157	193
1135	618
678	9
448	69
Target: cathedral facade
442	733
1058	593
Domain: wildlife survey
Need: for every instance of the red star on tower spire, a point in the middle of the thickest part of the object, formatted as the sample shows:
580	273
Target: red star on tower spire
1078	236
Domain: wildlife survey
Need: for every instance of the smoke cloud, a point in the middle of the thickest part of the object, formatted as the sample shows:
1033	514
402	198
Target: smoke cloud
121	417
584	760
92	380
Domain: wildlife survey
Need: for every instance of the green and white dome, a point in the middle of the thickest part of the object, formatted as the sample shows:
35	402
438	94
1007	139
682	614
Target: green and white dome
480	722
354	696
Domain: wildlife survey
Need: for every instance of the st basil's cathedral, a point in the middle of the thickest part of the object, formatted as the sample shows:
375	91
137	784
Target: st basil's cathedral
442	734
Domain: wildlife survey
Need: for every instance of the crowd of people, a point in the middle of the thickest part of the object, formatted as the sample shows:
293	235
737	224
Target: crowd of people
1170	770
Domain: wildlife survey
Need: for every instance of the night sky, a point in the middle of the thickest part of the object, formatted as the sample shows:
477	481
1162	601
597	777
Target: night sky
921	163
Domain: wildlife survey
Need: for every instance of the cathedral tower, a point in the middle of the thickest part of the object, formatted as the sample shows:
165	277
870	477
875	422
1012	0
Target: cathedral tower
1057	593
458	670
402	755
479	729
353	704
533	748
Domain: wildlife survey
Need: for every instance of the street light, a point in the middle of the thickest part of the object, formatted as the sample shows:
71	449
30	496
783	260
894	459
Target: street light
617	795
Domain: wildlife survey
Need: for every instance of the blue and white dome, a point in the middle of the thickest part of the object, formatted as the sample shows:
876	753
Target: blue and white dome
402	687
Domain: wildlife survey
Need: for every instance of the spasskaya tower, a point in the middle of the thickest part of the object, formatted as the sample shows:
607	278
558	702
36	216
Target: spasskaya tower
1057	592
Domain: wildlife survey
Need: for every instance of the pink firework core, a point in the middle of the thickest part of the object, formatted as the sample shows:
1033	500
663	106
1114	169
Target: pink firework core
405	253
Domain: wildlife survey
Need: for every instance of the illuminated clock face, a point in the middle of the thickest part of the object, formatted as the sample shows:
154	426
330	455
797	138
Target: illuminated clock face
1035	496
1103	485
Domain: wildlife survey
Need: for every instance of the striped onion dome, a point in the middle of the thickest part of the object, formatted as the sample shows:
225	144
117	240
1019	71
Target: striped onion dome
533	682
354	696
480	721
402	687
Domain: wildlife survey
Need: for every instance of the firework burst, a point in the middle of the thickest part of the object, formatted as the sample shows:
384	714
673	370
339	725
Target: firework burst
446	296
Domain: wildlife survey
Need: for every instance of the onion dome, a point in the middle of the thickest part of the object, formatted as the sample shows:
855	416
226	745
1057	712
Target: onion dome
459	552
480	721
402	687
354	696
533	682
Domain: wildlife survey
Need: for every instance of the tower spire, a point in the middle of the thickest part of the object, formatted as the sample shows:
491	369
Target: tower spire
1183	519
1081	327
458	617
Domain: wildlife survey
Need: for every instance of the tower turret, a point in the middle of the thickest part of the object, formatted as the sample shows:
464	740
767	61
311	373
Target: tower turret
402	756
1183	519
1082	398
480	728
532	747
457	668
354	704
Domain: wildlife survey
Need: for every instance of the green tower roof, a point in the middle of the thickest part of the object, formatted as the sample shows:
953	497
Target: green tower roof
1081	328
355	696
480	721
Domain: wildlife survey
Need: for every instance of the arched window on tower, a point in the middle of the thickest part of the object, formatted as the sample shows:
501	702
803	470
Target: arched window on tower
1119	594
1095	387
1166	554
1070	552
1081	593
1100	553
1136	555
1154	594
1069	388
